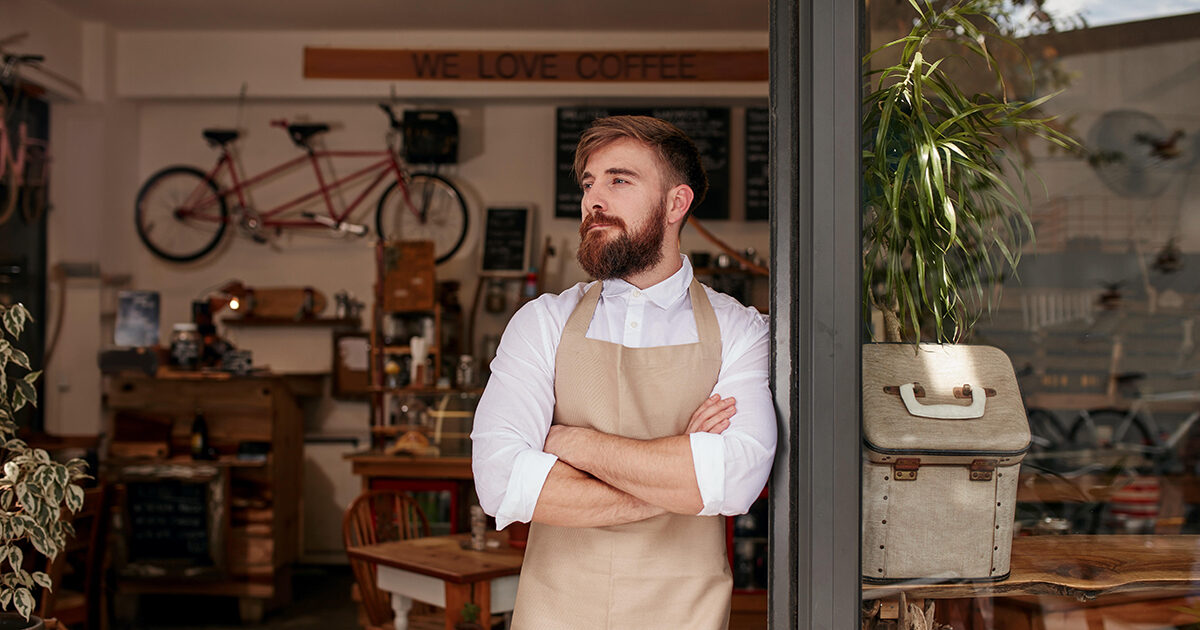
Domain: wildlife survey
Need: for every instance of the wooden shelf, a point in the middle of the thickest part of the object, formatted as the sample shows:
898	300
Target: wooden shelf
291	321
1083	567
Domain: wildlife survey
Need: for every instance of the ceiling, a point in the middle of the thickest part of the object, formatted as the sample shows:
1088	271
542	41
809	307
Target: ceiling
538	15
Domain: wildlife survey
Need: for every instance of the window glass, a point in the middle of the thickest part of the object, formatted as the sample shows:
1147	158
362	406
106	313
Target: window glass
1094	325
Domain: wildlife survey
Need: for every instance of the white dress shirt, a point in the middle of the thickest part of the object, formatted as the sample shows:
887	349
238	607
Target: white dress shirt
516	409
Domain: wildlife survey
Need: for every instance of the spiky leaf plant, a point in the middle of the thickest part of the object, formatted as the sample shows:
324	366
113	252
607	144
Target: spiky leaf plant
942	219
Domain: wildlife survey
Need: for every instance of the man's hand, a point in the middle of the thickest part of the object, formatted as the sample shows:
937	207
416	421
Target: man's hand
712	416
559	438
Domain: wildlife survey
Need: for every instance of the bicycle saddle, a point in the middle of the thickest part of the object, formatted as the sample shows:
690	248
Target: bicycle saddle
221	137
301	132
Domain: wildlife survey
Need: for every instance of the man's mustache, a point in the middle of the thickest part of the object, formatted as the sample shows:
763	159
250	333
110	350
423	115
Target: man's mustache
597	218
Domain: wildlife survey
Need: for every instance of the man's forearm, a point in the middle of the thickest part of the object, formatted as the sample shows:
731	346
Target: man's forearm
570	498
659	472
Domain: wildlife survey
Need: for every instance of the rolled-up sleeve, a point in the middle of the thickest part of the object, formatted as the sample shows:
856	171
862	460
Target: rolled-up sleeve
732	467
513	417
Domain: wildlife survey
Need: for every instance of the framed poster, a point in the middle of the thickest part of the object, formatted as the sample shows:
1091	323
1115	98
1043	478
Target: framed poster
507	231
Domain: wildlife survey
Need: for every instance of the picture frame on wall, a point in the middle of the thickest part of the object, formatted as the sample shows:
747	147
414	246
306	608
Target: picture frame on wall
507	238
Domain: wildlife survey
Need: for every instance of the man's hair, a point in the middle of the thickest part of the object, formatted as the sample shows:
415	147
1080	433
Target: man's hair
677	154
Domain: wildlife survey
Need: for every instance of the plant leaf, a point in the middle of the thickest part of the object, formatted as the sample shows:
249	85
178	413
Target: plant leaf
43	580
23	601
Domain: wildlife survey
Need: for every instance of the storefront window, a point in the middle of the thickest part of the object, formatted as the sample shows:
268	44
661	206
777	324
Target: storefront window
1093	525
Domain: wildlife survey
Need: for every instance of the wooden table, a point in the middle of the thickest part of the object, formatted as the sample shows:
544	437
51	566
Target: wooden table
1079	567
437	570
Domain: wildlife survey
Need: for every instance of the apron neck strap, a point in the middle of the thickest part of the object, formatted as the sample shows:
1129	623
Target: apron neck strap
707	328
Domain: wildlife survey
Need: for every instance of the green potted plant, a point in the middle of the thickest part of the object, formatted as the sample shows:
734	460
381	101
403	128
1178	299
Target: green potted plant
33	489
944	195
470	618
945	219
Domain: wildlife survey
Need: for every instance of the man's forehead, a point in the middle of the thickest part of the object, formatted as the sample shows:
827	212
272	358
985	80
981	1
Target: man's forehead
626	155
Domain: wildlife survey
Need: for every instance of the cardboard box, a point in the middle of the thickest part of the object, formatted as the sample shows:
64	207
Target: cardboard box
408	277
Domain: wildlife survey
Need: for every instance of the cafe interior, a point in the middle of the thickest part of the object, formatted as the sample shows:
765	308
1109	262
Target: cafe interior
274	394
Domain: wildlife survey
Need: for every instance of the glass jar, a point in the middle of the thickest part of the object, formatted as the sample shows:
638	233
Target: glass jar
185	346
465	374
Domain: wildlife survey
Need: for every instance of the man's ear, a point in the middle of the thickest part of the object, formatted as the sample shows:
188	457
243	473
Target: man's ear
679	200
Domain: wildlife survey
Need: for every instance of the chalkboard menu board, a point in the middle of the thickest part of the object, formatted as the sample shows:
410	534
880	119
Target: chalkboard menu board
708	127
758	156
168	520
506	240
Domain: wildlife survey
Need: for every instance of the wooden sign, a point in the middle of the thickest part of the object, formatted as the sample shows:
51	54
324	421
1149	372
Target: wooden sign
536	65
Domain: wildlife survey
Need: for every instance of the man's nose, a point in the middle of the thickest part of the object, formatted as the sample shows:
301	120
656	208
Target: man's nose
592	201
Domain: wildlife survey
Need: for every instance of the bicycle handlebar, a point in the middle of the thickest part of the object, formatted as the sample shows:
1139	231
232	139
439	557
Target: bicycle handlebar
387	109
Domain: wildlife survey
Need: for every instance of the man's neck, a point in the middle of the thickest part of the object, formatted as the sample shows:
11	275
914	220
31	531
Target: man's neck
667	267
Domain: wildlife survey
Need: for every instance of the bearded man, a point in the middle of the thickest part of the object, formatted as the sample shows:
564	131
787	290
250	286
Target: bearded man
625	418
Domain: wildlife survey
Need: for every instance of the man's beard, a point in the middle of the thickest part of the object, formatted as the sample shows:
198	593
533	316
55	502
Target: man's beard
623	255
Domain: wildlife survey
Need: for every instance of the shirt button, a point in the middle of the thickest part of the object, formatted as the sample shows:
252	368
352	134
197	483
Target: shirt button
637	294
633	324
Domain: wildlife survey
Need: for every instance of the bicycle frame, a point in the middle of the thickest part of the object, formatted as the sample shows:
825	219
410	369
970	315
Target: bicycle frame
382	167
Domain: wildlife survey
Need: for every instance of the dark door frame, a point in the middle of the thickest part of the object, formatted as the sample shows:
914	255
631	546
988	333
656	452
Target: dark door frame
816	313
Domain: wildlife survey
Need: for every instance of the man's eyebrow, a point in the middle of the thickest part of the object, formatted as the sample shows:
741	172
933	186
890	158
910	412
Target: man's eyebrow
612	171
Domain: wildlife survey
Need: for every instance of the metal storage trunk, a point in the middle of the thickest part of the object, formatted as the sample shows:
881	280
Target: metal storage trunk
944	432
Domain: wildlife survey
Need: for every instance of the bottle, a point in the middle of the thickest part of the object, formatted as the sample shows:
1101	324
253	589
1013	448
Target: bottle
529	290
199	444
494	300
185	346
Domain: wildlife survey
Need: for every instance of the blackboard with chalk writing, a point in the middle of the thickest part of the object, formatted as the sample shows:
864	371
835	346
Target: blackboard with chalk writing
708	127
168	520
758	159
506	234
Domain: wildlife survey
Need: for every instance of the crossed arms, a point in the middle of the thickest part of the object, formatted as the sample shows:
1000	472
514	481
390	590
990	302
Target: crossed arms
527	469
603	479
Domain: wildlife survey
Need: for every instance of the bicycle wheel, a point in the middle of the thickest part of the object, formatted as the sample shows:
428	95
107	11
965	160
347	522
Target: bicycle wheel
431	210
180	214
1110	427
1046	433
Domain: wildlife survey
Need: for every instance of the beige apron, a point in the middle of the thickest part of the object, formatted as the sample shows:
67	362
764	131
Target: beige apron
670	571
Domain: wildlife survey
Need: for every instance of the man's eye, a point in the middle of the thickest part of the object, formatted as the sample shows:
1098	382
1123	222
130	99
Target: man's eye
586	185
620	180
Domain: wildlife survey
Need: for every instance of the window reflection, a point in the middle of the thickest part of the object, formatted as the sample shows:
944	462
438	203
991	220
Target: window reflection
1099	321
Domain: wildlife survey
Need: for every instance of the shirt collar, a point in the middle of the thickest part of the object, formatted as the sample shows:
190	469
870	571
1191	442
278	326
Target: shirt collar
663	294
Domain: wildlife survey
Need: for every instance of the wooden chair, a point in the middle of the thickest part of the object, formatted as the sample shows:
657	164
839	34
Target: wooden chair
77	572
379	516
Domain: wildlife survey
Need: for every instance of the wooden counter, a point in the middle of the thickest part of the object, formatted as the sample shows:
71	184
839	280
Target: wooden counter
372	465
253	500
1081	567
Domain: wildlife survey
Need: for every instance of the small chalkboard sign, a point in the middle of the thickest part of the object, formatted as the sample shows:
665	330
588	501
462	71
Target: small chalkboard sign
506	236
708	127
758	160
169	520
